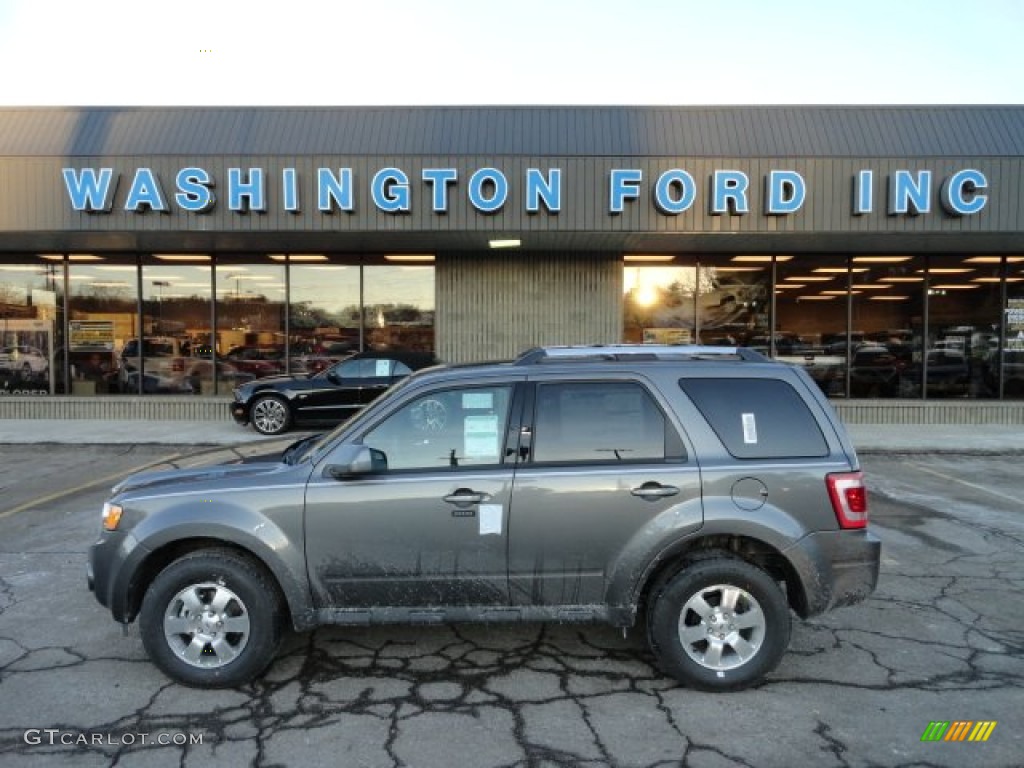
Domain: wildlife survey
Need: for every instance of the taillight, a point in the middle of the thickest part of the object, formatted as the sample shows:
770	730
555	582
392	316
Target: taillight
849	499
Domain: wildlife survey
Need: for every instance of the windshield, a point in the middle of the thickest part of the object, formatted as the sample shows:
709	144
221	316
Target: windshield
298	450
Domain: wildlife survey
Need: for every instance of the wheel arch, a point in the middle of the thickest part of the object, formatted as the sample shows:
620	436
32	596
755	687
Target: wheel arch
299	606
747	548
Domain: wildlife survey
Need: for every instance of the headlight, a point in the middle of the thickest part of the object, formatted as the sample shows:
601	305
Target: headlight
111	516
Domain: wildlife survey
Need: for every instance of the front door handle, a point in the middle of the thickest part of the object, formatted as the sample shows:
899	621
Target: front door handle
651	491
462	497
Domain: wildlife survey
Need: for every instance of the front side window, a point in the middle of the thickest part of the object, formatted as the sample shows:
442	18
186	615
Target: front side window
597	422
450	428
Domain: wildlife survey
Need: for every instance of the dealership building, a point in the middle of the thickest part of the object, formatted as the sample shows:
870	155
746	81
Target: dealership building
161	255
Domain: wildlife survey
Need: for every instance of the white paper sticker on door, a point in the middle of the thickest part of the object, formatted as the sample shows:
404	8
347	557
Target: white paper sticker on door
490	519
749	429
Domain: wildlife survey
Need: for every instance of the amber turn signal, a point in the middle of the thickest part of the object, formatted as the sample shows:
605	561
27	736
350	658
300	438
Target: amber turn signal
111	515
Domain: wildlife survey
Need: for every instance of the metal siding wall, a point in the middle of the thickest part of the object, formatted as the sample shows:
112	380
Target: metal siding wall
836	131
495	306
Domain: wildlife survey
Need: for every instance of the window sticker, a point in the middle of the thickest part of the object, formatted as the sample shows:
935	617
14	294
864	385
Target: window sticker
480	437
491	519
383	368
749	429
478	401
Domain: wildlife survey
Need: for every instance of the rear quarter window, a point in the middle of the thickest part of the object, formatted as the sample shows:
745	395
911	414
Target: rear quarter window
758	418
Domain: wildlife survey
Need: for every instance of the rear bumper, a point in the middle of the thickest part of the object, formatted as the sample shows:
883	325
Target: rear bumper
836	568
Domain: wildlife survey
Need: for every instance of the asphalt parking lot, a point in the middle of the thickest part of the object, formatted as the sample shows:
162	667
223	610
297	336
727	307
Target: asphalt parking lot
942	639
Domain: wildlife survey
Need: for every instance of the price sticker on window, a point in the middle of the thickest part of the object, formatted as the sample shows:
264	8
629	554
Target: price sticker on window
749	429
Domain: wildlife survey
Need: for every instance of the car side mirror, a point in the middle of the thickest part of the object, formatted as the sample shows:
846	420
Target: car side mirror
360	461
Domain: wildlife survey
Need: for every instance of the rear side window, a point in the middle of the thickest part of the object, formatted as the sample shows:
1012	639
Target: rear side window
597	422
758	418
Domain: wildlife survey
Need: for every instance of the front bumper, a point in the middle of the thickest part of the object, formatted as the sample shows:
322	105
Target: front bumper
240	413
836	568
112	563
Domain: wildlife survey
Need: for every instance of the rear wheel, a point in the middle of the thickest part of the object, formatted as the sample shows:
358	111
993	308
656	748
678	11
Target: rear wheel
718	624
270	415
212	619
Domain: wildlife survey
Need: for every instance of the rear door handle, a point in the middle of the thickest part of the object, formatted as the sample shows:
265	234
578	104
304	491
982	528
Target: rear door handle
652	491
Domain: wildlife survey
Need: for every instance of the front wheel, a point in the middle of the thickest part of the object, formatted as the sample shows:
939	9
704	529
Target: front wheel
270	416
212	619
719	624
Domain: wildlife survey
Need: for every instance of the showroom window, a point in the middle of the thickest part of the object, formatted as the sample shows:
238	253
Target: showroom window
174	357
862	325
103	314
324	310
31	309
734	300
659	302
251	306
398	303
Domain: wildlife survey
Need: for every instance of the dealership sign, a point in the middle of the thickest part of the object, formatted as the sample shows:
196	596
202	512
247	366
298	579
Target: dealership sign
674	191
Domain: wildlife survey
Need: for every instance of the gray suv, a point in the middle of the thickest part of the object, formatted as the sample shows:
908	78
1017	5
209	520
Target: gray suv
701	493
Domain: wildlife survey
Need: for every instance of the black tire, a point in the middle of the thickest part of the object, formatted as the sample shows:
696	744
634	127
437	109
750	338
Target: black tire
190	608
738	637
270	415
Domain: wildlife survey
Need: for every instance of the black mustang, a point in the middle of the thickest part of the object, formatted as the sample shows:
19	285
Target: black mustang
276	404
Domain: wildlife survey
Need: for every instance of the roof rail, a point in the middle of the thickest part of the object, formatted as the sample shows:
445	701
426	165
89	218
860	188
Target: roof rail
608	352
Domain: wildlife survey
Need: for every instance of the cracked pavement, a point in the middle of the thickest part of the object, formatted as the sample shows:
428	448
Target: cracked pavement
941	639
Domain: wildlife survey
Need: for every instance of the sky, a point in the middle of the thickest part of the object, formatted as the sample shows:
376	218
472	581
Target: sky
516	52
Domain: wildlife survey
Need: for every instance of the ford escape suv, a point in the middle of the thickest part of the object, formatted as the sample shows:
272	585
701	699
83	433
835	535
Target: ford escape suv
702	493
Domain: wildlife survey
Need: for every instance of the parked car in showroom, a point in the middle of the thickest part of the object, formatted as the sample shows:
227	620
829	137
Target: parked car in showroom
1012	360
163	360
199	372
275	404
876	370
27	362
259	361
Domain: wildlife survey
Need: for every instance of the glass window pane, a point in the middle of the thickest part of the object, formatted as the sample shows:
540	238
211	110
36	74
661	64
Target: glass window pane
104	318
177	340
399	307
446	430
733	307
324	313
888	323
31	302
1011	357
964	300
757	418
250	319
597	422
659	304
810	317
